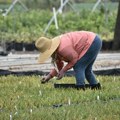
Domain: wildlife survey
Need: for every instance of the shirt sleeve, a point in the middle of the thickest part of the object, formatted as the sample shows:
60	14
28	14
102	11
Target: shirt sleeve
71	56
60	65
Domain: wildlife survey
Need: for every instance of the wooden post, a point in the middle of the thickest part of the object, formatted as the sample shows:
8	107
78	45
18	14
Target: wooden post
55	18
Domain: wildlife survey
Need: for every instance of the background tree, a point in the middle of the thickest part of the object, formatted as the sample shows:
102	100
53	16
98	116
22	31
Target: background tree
116	43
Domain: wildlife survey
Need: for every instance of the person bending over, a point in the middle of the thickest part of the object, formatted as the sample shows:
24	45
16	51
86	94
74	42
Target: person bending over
78	48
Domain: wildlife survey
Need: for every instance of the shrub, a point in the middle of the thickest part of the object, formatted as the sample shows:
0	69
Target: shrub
30	25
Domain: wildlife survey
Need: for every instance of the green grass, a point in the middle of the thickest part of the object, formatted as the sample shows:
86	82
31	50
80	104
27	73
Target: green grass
25	98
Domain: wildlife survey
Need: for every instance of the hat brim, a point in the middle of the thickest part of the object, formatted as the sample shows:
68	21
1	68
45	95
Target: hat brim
45	55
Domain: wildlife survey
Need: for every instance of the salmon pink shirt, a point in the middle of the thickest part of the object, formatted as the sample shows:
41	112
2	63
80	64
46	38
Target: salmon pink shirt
72	47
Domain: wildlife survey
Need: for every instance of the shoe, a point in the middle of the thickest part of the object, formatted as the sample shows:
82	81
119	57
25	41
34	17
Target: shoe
95	86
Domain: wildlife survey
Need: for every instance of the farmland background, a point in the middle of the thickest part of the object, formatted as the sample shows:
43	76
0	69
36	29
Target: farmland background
24	97
26	26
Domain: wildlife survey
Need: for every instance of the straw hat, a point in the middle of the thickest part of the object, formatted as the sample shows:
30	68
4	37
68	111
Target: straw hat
46	47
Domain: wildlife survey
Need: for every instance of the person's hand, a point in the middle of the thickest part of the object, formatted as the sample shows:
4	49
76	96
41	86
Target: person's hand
60	75
45	79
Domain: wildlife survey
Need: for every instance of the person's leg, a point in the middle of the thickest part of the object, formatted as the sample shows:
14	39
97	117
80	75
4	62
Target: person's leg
83	69
93	51
86	60
90	77
79	69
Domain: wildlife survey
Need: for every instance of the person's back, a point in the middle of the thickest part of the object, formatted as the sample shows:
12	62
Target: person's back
79	49
80	41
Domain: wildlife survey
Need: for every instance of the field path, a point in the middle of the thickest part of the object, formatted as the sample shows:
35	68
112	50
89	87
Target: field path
28	62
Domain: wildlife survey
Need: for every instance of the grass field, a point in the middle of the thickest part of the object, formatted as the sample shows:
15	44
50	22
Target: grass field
24	98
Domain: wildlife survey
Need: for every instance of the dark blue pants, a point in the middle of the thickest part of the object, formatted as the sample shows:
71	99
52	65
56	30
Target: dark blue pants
83	67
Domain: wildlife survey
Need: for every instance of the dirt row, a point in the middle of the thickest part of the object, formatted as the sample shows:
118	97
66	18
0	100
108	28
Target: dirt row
28	62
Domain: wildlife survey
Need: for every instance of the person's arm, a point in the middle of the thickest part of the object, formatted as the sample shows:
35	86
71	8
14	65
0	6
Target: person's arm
58	67
46	78
71	56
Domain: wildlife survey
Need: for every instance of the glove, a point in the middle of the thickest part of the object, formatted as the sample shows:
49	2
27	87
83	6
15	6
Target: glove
60	75
46	79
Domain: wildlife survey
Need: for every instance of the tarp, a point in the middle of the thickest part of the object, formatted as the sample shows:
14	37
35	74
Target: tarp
69	73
